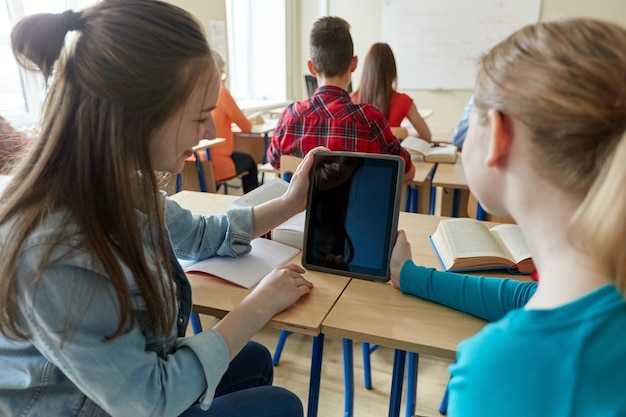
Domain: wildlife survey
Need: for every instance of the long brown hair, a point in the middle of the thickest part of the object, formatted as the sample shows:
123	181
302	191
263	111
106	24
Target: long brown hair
379	77
131	65
565	82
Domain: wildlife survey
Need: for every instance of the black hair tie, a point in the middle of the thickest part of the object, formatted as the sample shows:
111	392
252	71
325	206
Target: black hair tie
73	20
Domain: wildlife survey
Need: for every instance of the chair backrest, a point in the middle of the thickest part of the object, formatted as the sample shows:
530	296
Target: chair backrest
400	132
190	179
250	143
311	84
289	163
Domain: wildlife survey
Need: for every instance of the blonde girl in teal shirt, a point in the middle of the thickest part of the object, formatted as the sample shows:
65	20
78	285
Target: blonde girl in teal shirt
546	145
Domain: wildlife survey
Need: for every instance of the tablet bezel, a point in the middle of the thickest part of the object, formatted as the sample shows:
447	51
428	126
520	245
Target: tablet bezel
395	197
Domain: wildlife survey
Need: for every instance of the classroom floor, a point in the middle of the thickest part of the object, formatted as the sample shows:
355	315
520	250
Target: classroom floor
293	374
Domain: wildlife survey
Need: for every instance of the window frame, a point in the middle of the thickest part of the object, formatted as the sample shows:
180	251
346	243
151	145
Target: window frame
247	53
32	83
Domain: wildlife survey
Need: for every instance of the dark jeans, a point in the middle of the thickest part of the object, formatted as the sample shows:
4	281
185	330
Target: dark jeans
244	162
246	391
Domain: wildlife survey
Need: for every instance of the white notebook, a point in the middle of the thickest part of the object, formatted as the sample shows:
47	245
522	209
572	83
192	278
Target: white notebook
247	270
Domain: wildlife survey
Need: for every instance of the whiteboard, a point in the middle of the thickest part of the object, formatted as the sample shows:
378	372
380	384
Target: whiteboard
436	43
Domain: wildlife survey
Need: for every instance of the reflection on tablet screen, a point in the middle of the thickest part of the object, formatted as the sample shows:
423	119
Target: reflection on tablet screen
352	213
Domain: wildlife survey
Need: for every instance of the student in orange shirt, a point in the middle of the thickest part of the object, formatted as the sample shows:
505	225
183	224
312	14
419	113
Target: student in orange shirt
226	161
378	88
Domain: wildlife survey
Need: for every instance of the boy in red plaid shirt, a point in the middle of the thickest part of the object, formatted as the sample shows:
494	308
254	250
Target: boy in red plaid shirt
329	118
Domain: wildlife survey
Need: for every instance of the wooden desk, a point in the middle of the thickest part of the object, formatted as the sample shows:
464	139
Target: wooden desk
251	106
418	189
451	177
378	313
455	192
217	297
206	144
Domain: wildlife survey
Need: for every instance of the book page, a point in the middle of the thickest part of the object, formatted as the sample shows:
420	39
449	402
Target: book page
247	270
469	238
511	237
413	144
266	192
292	231
442	154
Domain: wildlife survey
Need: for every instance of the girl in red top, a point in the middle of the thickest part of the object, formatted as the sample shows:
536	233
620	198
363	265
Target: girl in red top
378	88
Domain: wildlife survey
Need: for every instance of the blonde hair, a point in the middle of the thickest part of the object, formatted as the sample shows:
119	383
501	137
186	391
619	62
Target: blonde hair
565	81
132	65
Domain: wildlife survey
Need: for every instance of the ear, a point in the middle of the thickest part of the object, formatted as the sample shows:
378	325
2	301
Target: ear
500	138
311	69
354	63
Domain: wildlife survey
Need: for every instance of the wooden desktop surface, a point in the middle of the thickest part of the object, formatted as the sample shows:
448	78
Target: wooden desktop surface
379	313
422	172
267	126
450	175
252	106
208	144
216	297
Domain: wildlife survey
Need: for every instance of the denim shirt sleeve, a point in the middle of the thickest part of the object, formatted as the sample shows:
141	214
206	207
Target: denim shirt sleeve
460	131
119	375
198	237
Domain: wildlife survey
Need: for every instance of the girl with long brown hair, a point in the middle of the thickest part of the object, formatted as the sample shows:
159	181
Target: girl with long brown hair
94	304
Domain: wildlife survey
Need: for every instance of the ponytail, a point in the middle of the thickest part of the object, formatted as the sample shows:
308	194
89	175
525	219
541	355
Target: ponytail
37	40
599	224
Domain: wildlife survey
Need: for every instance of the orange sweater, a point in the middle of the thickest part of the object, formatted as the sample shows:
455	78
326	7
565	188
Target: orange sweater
225	114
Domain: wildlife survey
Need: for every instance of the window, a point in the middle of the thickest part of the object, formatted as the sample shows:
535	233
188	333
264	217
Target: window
21	92
257	49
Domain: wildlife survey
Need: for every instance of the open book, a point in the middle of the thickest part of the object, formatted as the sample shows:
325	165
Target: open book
262	194
247	270
445	153
291	232
467	245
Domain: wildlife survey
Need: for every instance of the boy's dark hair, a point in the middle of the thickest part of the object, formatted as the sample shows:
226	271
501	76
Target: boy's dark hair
331	46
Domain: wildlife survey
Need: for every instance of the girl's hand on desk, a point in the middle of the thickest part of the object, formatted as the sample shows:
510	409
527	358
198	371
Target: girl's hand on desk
400	254
282	287
299	184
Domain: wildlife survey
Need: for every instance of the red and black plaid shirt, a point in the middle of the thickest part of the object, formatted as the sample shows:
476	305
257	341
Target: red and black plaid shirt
330	119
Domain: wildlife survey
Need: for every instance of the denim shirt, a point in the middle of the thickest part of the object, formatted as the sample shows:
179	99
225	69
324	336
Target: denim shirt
67	368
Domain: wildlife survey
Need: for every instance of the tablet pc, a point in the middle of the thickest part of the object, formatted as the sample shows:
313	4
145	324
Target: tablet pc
352	213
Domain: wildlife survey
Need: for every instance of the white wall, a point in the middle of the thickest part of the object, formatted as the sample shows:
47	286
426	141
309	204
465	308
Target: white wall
365	19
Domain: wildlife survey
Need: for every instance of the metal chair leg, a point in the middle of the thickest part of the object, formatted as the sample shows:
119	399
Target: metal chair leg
284	334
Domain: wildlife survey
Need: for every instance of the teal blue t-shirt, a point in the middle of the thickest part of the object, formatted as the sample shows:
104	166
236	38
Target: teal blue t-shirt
568	361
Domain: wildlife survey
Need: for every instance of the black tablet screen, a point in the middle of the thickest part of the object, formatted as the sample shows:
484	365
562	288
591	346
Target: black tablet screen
352	213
